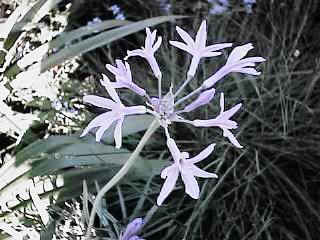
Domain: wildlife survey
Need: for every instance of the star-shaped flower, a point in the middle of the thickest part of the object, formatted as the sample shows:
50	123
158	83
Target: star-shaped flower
184	165
236	63
117	113
132	229
123	77
198	48
223	121
148	51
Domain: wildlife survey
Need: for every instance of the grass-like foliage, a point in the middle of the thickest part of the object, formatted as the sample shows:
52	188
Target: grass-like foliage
267	190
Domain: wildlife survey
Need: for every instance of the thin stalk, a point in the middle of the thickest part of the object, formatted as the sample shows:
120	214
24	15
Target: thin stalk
198	90
120	174
183	85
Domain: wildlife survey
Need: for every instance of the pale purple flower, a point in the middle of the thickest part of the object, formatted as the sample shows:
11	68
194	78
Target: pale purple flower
132	229
123	77
198	48
223	121
184	165
236	63
117	113
203	99
148	51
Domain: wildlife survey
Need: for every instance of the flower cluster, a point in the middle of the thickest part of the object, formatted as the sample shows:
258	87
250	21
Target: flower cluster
167	108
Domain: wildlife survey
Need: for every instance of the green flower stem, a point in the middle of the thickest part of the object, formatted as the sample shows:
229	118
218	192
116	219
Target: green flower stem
120	174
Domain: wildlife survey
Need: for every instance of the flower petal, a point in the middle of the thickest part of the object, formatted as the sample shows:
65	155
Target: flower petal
135	110
103	128
238	53
100	101
216	47
229	113
202	155
136	52
186	37
175	152
251	71
211	54
181	46
157	44
138	90
98	121
168	185
190	183
200	173
201	36
113	69
148	41
118	133
110	89
233	140
221	102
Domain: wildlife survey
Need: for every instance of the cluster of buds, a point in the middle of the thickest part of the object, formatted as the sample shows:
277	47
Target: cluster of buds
167	108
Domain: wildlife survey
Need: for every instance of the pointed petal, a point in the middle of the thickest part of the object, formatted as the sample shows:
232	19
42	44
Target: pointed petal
182	46
148	42
201	36
202	155
190	183
229	113
127	72
166	171
119	85
238	53
135	110
98	121
136	52
211	54
252	59
100	101
175	152
168	185
115	71
251	71
216	47
157	44
200	173
231	137
203	99
153	36
118	133
221	102
104	127
154	66
137	89
186	37
110	89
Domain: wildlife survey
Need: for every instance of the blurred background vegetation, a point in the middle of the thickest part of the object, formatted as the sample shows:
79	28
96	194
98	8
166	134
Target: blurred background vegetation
268	190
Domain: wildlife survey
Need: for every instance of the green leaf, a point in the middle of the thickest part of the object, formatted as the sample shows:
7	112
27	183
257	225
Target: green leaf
100	40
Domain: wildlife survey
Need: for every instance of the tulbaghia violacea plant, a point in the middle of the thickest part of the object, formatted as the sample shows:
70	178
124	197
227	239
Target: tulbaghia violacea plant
169	108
